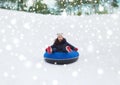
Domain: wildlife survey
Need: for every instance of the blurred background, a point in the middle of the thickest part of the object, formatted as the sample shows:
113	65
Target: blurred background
60	7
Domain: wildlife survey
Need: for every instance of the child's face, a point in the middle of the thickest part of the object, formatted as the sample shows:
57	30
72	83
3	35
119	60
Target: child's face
60	38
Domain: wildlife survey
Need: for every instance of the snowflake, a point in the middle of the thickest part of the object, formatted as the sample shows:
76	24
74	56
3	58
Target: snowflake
90	48
112	68
44	83
65	65
53	28
5	74
79	69
55	82
86	60
68	33
100	71
9	26
71	0
12	68
3	31
38	65
29	3
13	21
1	50
13	76
4	40
64	13
75	74
81	26
109	32
92	34
27	25
98	57
119	72
22	57
72	26
8	47
45	69
45	37
101	8
21	36
28	64
97	51
99	37
90	21
15	41
35	77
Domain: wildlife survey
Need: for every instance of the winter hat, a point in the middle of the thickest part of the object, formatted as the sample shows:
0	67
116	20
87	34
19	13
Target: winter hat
59	34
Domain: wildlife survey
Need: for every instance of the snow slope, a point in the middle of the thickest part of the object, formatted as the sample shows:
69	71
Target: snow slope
24	36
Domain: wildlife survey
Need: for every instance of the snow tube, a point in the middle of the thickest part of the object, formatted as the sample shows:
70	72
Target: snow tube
61	57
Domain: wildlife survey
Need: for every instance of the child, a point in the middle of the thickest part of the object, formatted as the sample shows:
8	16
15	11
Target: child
60	45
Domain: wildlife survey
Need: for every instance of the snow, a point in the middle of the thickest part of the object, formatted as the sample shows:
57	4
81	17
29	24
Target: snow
75	74
100	71
5	74
38	65
101	8
8	47
22	57
13	76
35	77
24	37
55	82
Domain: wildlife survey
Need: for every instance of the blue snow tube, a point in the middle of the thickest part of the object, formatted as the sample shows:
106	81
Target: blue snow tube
61	57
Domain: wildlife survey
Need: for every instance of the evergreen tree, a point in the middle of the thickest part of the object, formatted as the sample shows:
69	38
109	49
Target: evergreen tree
115	3
41	7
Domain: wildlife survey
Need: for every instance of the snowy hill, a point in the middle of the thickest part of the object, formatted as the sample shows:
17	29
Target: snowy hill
24	36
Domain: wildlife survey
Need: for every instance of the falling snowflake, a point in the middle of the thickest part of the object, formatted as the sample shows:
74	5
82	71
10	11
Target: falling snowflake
15	41
4	40
27	25
3	31
86	60
12	68
100	71
5	74
35	77
45	69
119	72
72	26
97	51
99	37
75	74
29	3
13	76
79	69
8	47
109	32
38	65
22	57
112	68
90	48
13	21
55	82
1	50
28	64
44	83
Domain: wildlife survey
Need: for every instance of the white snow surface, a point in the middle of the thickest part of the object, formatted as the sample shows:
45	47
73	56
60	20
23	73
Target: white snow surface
24	37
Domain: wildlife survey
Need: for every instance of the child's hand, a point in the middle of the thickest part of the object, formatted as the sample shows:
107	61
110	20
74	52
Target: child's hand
76	49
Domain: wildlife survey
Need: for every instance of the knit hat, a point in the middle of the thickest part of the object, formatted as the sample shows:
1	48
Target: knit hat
59	34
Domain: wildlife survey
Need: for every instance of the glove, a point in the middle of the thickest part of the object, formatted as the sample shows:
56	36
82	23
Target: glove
76	49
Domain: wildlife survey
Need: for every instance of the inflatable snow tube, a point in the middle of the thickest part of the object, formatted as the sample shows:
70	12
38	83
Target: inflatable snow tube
61	57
